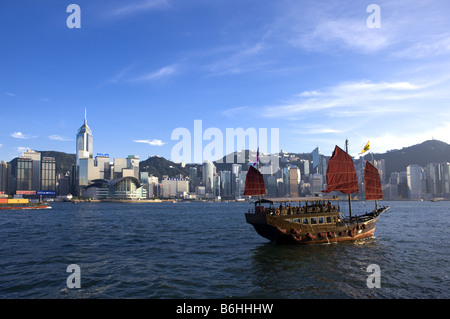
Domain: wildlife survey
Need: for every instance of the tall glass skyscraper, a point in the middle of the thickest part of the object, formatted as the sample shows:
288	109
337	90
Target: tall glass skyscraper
85	142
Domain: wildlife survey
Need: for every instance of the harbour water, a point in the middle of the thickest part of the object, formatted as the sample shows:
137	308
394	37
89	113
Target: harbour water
207	250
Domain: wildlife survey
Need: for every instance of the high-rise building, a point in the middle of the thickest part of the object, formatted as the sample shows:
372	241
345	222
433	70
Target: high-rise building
434	179
236	169
4	178
85	141
193	179
294	181
208	176
446	179
22	169
225	182
36	168
414	181
30	174
84	153
48	174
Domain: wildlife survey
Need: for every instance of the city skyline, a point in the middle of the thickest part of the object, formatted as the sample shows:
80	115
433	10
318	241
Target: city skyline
145	68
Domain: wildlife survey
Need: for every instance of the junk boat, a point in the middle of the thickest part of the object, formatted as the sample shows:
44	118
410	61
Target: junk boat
21	203
313	220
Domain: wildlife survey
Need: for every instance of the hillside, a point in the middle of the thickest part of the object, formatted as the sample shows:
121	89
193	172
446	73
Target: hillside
159	166
421	154
64	161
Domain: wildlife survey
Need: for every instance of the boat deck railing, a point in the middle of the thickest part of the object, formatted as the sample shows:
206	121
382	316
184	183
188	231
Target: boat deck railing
294	210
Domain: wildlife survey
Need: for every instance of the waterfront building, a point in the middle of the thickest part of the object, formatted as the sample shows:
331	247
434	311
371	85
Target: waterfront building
36	168
123	188
31	175
22	169
84	154
414	181
434	179
241	184
225	183
446	179
236	169
62	185
104	167
217	191
85	141
48	175
4	177
174	187
208	176
193	178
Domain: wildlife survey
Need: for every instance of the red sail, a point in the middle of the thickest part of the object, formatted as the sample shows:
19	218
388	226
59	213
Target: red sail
372	183
254	183
341	174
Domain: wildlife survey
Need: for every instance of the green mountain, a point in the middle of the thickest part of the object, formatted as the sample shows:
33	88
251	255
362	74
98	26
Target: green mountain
159	166
431	151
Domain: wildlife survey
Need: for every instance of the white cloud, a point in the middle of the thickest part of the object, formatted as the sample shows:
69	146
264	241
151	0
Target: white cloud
59	138
349	98
347	33
154	142
22	136
158	74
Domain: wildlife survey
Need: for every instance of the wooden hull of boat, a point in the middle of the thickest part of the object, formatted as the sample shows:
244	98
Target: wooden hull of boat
281	229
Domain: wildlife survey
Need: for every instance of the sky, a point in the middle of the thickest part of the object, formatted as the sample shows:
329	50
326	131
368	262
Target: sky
320	72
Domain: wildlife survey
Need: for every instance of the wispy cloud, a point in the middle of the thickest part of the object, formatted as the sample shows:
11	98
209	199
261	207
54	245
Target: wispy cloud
239	61
162	73
59	138
10	94
347	33
137	7
20	135
347	99
154	142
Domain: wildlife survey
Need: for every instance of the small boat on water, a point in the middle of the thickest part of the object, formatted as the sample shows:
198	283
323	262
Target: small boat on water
315	220
21	203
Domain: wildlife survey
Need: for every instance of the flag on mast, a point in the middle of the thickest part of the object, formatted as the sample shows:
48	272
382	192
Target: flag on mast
366	148
257	157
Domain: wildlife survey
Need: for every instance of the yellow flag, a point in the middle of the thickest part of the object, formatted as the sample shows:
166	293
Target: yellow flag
366	148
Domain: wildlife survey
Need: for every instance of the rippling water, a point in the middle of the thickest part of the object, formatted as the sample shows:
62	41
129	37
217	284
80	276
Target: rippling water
207	250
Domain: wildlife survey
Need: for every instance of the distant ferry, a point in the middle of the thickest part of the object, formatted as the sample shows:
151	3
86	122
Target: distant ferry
316	219
21	203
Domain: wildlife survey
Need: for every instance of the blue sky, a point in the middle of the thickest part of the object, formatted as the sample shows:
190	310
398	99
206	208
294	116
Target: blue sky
143	68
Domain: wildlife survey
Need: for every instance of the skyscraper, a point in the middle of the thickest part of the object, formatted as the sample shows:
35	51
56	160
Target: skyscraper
84	153
294	180
208	176
85	141
413	174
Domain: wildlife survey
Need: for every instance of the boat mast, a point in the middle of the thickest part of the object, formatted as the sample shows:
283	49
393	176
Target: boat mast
376	201
349	195
257	167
